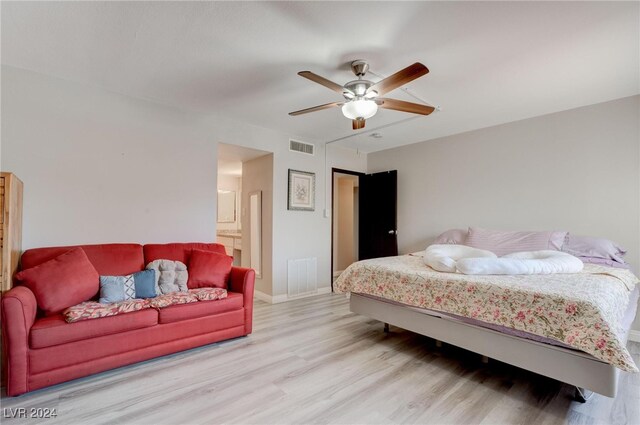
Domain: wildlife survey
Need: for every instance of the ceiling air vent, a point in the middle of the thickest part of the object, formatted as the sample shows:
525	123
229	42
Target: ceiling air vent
296	146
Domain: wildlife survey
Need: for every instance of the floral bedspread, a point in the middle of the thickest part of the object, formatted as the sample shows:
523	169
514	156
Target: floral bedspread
583	310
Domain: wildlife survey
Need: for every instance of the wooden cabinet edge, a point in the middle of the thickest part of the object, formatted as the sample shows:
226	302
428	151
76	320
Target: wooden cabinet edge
11	228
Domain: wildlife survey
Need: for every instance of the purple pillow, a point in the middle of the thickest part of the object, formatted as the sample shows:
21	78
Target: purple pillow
605	262
586	246
503	242
452	237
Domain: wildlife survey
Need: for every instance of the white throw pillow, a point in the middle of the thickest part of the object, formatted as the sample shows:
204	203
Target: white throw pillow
171	276
443	258
535	262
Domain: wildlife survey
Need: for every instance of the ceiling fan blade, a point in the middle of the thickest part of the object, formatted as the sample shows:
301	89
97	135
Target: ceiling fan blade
401	105
316	108
322	81
400	78
357	124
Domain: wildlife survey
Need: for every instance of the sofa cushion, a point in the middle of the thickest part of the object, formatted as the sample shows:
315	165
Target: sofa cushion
94	310
54	330
209	294
114	259
178	251
61	282
209	269
175	313
173	298
78	358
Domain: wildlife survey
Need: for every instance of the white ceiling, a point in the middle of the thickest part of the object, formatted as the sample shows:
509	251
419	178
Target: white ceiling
490	63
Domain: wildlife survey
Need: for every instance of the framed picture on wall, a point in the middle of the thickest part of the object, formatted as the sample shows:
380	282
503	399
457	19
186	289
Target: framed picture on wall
302	191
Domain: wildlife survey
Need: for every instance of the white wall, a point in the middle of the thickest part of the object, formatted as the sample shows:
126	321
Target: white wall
99	167
102	167
577	170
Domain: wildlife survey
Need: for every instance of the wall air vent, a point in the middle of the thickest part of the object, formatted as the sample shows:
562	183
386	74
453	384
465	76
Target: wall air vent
297	146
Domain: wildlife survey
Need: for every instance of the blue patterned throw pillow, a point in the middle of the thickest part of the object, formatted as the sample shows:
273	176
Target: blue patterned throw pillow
115	289
111	289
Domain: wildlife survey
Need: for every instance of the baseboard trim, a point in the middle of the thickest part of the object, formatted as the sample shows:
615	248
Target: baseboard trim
634	335
276	299
271	299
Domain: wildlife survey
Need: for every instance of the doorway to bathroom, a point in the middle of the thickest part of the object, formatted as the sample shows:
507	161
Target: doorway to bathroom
345	189
244	208
363	217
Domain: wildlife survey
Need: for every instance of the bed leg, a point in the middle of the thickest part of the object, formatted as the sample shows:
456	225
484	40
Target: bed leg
438	343
582	395
386	328
485	360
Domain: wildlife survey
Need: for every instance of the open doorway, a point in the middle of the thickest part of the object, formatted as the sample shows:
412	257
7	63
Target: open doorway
244	216
345	188
363	217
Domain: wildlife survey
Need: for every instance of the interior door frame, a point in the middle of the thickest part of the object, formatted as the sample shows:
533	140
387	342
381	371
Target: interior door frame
333	172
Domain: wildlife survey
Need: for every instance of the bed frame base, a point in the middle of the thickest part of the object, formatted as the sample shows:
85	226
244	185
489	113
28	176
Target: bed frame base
573	367
582	395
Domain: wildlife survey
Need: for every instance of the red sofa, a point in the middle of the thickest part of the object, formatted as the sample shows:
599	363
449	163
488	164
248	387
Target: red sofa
45	350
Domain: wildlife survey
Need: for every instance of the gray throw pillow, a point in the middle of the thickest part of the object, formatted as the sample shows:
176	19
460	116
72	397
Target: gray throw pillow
171	276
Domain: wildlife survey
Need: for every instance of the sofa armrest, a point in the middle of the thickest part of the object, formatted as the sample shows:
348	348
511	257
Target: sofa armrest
243	280
19	309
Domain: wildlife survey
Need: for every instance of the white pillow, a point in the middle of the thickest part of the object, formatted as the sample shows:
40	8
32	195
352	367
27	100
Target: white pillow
443	258
171	276
536	262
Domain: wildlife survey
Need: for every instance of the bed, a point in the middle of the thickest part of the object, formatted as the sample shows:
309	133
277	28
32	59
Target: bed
570	327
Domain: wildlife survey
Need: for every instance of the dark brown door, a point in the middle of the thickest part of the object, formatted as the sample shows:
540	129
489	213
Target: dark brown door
378	236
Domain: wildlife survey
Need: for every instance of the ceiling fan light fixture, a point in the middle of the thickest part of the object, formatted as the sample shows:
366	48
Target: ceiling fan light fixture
359	109
371	94
361	97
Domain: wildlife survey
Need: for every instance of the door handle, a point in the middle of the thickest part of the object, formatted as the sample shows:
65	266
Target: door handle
393	232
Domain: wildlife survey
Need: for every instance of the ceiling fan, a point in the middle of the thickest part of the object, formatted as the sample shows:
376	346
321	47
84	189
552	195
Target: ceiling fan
361	96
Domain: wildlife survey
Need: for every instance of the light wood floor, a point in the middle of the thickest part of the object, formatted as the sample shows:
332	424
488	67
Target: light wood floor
312	361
